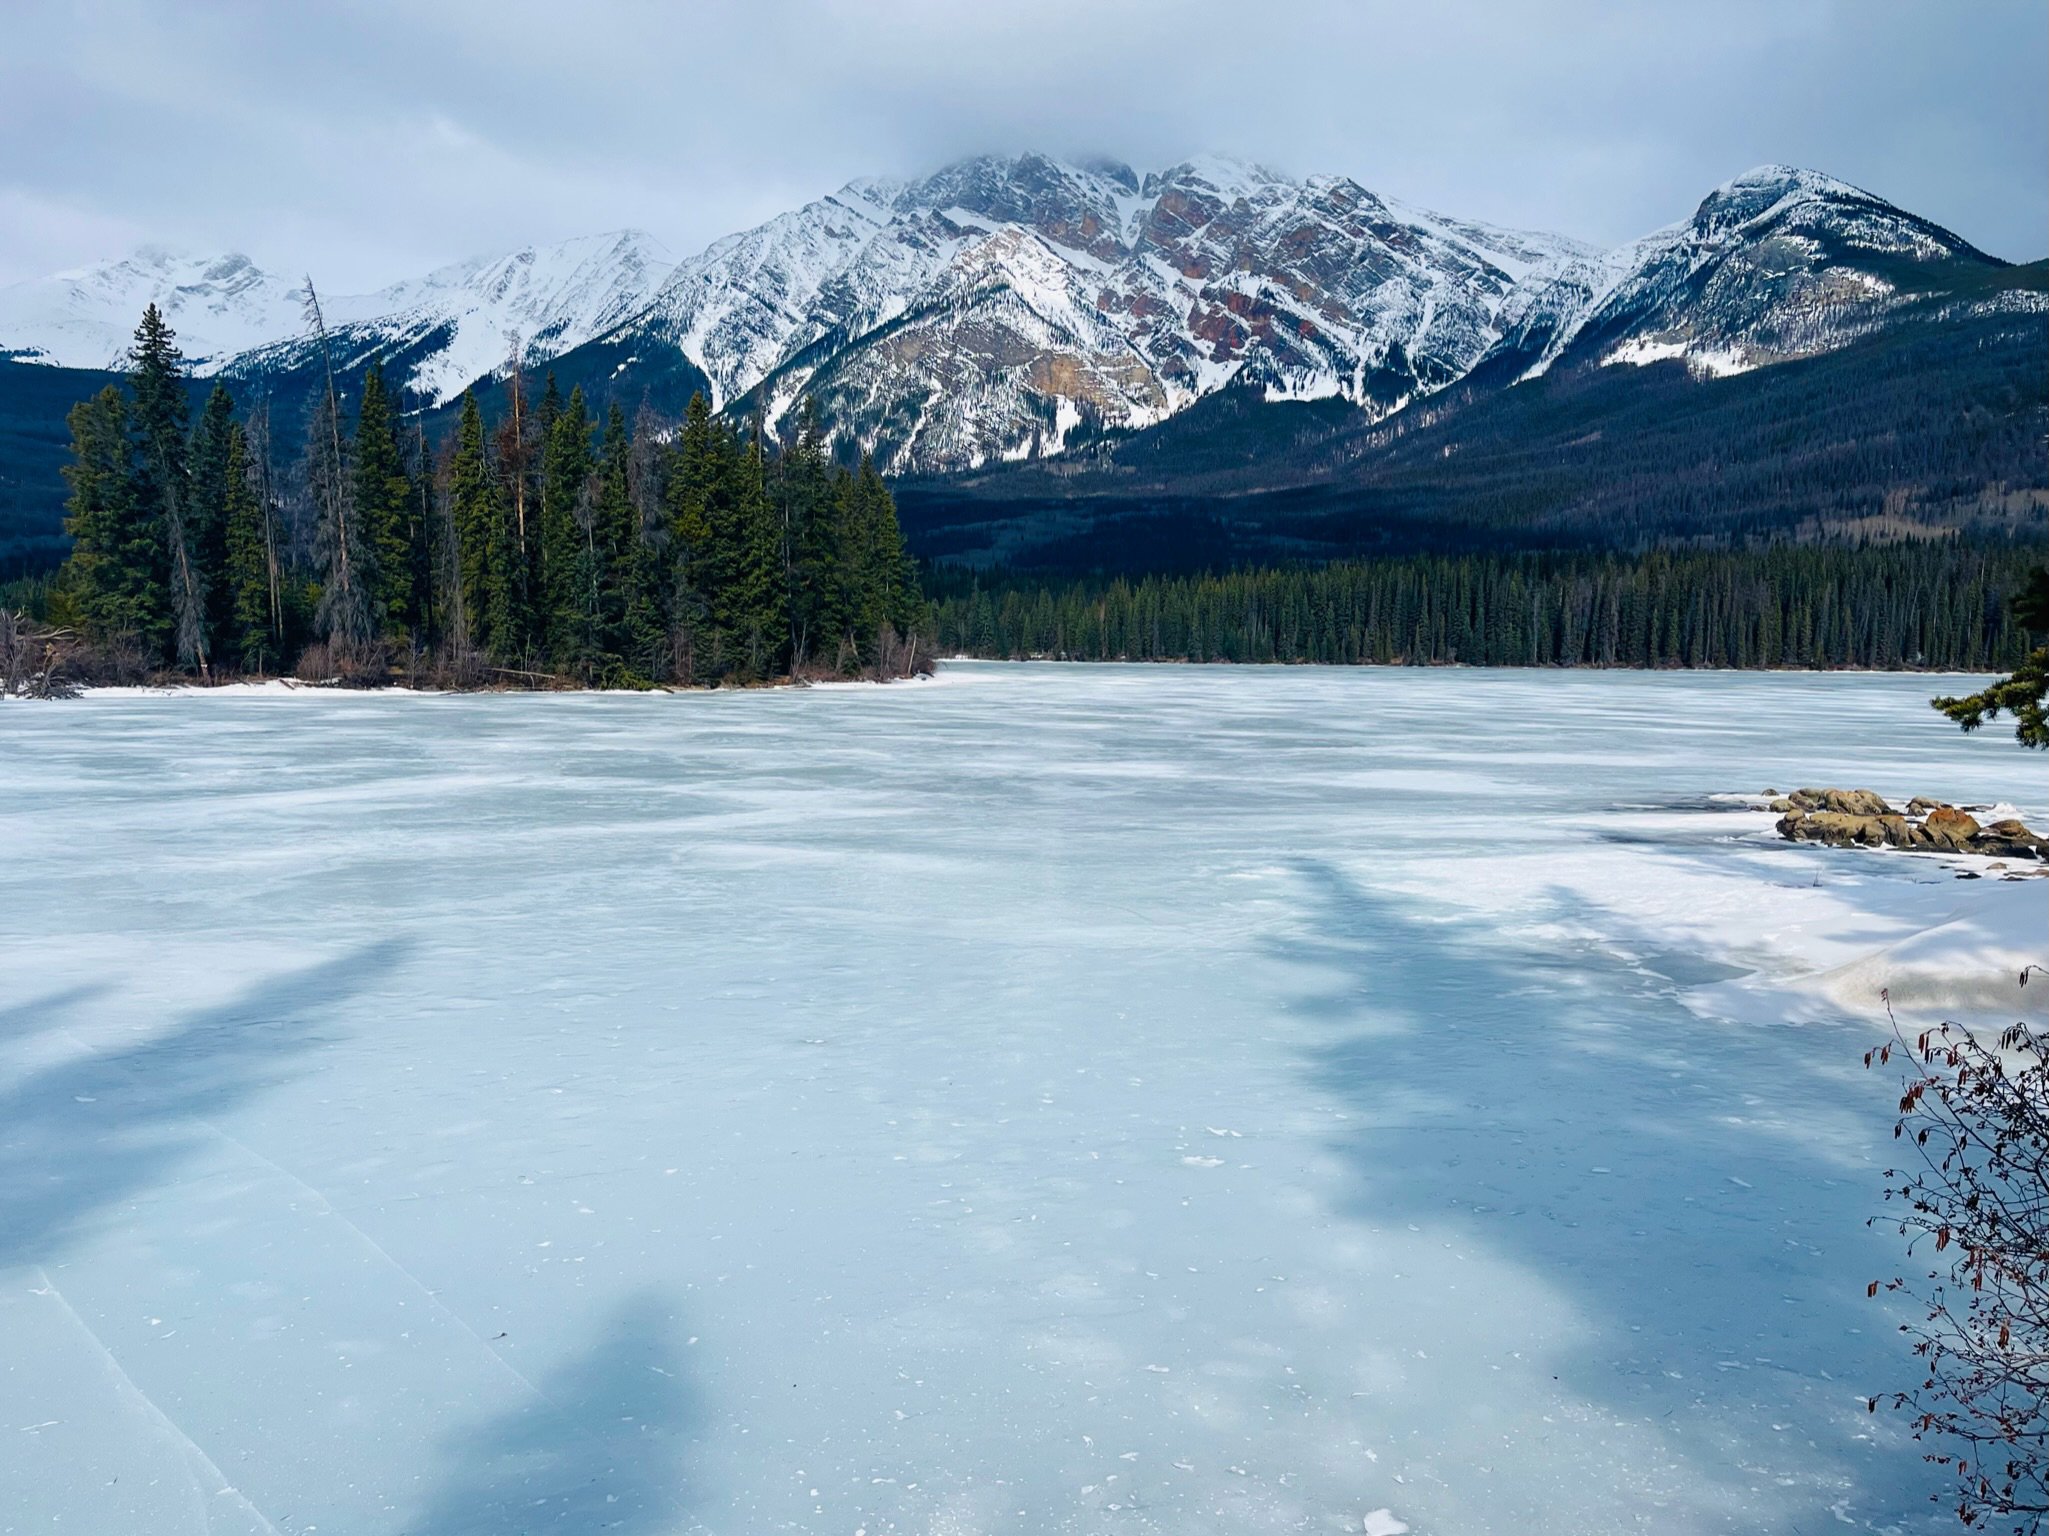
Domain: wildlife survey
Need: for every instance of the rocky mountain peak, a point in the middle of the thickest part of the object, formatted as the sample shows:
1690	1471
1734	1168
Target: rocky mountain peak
1011	305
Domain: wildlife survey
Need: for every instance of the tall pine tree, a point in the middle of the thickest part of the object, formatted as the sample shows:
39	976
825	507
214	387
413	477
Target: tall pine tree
252	631
111	588
383	496
160	421
568	610
207	524
476	521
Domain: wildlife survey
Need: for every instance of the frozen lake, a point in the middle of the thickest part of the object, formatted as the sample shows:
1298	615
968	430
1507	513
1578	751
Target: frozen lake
1050	1099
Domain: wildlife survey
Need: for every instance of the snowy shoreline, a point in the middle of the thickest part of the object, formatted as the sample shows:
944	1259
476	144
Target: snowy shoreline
281	686
1933	933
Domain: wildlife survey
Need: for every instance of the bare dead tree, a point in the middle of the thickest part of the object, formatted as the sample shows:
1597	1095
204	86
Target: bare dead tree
515	389
344	604
188	591
1976	1116
264	488
462	661
33	658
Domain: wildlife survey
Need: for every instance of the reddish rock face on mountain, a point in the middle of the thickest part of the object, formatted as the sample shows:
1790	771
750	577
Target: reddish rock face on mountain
922	315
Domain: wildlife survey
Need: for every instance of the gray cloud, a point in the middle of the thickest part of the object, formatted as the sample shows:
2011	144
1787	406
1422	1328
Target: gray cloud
370	141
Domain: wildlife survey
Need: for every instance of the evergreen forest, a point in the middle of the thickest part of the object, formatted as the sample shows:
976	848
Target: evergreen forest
1940	605
545	543
549	545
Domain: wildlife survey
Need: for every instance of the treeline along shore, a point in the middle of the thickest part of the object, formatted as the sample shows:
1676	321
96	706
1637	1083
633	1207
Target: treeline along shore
1942	606
545	547
548	547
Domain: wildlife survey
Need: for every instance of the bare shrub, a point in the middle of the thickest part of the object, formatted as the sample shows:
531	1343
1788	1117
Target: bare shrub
1976	1115
37	661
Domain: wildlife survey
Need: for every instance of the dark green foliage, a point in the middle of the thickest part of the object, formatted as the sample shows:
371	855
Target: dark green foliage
385	512
2022	694
692	485
112	587
744	564
252	631
639	560
474	513
207	524
848	583
729	606
646	634
518	619
156	384
29	596
569	571
871	587
807	512
163	487
612	535
1925	605
1929	425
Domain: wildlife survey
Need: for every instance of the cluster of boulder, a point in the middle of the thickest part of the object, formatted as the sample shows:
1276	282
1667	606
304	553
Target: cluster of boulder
1857	818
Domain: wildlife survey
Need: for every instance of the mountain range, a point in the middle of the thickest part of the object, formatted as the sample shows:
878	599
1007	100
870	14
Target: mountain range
1056	321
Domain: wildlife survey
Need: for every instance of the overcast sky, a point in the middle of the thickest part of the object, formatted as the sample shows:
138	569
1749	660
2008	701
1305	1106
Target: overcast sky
371	141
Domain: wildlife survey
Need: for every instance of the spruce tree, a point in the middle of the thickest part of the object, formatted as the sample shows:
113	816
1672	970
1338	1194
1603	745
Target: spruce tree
809	529
110	587
422	609
840	601
693	480
508	613
744	576
568	606
516	548
615	529
207	523
156	381
383	495
650	565
160	422
473	515
249	634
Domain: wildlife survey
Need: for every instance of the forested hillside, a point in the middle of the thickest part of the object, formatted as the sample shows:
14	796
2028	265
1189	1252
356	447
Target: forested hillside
1920	428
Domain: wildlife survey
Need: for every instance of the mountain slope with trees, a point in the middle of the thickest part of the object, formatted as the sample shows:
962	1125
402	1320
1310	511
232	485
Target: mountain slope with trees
1934	424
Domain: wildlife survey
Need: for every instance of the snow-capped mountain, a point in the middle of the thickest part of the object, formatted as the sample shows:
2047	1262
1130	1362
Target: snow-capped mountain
85	318
1777	264
459	323
990	309
456	323
1010	307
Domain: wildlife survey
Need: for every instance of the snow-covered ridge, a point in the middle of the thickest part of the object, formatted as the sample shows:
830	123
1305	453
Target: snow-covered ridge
1774	264
85	317
995	308
987	310
225	308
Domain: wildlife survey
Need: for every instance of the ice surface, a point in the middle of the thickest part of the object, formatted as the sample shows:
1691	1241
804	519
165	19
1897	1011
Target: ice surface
1056	1099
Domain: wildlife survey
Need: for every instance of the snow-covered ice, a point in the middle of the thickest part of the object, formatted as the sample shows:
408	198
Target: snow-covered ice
1065	1100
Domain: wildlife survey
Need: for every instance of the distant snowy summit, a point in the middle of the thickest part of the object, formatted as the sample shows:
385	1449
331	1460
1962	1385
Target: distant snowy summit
1010	307
226	310
1779	263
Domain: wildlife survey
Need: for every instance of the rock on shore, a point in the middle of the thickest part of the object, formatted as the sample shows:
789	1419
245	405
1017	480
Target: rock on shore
1858	818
